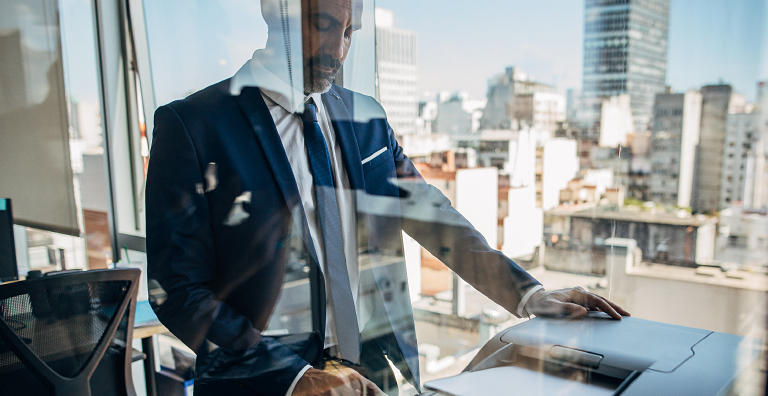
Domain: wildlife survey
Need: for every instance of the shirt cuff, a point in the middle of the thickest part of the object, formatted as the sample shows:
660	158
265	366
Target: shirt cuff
521	307
296	380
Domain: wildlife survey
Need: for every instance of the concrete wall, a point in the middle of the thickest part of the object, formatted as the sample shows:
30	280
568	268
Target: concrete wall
616	121
559	166
587	262
680	296
477	198
524	225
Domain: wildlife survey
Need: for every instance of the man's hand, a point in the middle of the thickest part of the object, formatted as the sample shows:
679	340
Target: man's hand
571	302
335	381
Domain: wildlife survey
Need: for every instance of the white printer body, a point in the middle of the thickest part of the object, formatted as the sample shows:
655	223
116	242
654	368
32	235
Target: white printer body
596	355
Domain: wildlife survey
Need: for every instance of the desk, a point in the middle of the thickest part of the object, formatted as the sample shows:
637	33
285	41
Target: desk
146	331
145	326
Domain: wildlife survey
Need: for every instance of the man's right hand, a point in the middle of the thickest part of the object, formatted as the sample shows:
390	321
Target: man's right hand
335	381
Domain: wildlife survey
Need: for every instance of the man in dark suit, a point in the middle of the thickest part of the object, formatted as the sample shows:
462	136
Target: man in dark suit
277	177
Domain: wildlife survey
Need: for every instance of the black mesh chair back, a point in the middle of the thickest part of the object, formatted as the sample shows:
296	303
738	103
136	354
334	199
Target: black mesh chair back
68	334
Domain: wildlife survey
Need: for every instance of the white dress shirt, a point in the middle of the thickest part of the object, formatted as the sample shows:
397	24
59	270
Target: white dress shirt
281	101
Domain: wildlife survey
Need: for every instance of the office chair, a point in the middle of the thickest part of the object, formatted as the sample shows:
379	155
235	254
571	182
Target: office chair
68	334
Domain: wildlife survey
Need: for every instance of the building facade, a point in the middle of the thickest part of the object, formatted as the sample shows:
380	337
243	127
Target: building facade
615	121
625	51
452	118
397	73
514	85
674	138
756	195
739	133
556	165
717	102
541	110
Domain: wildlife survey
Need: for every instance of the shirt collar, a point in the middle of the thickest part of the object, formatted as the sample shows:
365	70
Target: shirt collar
264	72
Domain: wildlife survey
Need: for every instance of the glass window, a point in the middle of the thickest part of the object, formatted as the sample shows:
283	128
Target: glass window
51	122
612	63
395	191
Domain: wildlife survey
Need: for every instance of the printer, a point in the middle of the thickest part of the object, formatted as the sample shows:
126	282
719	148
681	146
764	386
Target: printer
597	355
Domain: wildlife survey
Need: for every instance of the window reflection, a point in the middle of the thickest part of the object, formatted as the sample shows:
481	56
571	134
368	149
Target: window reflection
637	192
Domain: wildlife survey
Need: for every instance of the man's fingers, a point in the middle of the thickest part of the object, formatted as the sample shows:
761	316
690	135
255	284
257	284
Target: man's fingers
618	309
574	310
373	390
597	301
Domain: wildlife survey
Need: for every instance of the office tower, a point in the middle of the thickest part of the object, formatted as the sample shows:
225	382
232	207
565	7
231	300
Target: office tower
717	102
625	51
572	103
541	110
756	185
674	138
739	133
499	110
398	80
503	92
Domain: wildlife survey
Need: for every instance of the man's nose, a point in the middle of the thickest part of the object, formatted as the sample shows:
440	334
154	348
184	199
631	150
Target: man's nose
334	45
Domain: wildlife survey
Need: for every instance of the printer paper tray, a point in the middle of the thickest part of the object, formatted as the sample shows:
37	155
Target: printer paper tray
511	380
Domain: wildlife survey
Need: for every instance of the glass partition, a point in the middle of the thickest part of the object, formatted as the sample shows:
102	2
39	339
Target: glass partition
412	190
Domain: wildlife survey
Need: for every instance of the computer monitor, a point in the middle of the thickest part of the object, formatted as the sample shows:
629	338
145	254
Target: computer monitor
8	267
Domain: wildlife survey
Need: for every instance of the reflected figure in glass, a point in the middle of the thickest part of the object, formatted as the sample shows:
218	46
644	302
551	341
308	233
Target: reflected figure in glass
276	202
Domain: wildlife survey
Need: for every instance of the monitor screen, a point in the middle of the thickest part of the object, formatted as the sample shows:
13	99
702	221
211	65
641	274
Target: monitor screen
8	269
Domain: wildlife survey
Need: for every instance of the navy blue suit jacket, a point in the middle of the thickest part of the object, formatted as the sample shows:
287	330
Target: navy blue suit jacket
222	281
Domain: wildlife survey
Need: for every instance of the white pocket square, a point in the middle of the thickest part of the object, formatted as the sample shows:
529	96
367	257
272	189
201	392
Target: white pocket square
374	155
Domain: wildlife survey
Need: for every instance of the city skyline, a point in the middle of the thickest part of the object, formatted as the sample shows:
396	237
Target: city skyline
701	37
552	56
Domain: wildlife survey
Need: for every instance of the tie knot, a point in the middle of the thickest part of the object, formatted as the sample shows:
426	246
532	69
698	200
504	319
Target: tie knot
310	111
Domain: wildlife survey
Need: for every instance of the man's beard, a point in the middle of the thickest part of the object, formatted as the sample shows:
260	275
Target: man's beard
317	81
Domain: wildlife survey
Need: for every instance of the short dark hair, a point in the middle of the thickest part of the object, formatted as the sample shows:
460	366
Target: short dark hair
271	12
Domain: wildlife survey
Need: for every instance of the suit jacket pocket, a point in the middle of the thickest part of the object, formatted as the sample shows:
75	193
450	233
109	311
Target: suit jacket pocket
376	161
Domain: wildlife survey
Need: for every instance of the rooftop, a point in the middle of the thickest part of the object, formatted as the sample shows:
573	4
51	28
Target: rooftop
737	279
637	216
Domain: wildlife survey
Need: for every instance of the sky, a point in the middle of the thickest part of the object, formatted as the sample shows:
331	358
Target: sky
463	43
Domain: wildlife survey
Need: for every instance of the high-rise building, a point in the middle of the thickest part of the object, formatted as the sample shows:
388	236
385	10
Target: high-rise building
573	105
717	102
499	110
396	65
541	110
503	92
739	132
756	188
674	138
625	51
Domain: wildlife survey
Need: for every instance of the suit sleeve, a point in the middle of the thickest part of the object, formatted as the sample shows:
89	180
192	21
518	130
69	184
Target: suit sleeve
453	240
181	257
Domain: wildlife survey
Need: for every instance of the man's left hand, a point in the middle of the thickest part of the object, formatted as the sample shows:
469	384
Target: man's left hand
572	303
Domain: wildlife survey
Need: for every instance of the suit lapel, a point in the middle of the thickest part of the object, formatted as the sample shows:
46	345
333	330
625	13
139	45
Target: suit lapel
255	109
345	133
342	121
252	103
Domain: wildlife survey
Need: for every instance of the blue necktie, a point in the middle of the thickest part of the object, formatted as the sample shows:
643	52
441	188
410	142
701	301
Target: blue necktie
327	211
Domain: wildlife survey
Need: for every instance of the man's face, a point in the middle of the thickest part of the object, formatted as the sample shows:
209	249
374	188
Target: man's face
327	27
